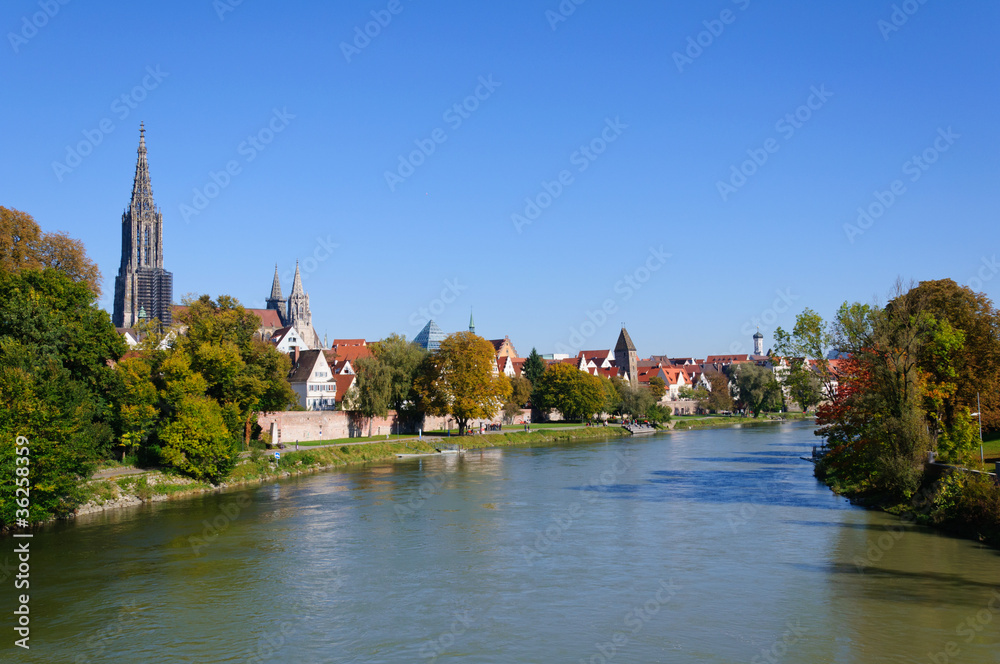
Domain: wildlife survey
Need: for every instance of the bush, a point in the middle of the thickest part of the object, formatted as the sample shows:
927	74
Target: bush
197	441
969	504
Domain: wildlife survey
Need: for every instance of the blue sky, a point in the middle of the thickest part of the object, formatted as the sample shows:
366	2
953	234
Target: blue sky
620	142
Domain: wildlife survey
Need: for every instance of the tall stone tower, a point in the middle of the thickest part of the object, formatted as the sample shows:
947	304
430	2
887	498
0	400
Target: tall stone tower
758	343
626	358
142	285
299	314
277	301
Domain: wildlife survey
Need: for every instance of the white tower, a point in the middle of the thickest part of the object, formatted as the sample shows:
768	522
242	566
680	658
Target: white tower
758	343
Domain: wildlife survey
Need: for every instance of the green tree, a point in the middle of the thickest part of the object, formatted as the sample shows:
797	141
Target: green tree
197	441
877	423
460	379
972	367
520	395
138	405
658	414
374	383
811	338
402	360
756	388
612	399
57	416
534	367
574	393
634	401
520	391
243	373
657	387
803	385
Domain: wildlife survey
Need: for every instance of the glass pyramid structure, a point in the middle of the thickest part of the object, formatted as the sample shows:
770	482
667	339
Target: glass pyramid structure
430	337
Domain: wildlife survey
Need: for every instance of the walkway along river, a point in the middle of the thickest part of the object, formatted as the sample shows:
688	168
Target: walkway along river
699	546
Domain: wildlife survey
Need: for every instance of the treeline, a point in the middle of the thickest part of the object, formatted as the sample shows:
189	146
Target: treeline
461	380
71	387
912	374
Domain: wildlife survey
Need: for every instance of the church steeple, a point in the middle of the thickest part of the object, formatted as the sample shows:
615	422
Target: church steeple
472	323
297	282
277	301
142	283
142	188
299	314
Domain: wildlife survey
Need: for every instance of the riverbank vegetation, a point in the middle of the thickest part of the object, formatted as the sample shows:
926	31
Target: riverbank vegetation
910	376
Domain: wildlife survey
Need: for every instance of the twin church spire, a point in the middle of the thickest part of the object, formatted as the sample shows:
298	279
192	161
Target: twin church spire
295	310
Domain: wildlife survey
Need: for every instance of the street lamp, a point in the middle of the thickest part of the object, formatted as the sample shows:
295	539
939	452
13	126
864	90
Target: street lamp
982	457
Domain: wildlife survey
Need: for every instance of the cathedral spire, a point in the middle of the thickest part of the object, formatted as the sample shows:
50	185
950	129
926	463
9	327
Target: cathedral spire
142	287
297	282
276	285
142	188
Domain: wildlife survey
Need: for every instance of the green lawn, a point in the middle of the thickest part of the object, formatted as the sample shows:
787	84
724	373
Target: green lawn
991	448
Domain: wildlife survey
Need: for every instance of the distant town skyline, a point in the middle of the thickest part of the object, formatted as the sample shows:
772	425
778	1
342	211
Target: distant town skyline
694	172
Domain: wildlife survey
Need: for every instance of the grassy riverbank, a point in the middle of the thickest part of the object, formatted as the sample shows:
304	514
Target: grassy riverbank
260	467
685	423
953	499
550	435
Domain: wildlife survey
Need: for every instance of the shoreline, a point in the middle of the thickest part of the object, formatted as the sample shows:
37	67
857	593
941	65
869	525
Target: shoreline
154	486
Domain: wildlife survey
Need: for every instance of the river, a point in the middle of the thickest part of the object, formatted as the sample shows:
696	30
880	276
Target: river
699	546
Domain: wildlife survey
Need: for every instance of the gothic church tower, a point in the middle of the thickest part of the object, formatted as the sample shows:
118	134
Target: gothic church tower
299	315
142	288
277	301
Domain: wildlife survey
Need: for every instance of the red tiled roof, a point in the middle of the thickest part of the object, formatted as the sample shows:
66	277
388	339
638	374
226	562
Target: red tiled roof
344	382
268	317
717	359
351	353
349	342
